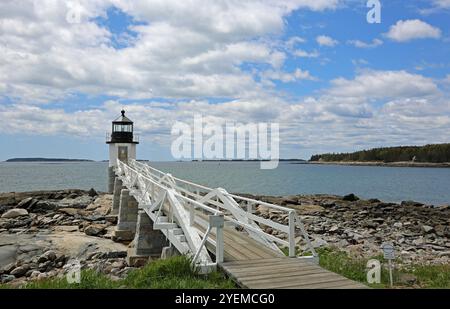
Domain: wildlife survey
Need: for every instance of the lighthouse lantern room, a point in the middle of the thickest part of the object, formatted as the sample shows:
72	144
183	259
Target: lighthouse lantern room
122	145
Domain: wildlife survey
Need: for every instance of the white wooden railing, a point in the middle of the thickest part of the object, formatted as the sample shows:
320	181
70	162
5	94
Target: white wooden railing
167	209
237	211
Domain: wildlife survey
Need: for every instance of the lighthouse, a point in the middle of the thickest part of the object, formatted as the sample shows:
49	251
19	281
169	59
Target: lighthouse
122	145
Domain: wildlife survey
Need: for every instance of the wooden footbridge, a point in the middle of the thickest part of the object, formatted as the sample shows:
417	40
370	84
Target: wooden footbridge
222	230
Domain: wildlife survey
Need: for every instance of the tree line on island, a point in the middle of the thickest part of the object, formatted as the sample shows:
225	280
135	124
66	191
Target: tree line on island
437	153
46	160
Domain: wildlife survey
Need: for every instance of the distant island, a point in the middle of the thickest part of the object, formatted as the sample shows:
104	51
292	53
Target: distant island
46	160
421	156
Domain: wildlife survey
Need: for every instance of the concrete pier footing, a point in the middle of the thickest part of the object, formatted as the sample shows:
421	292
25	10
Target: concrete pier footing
111	178
168	252
127	217
118	186
147	242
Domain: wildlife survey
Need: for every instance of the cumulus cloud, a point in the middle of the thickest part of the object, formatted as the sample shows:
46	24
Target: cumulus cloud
290	44
442	3
304	54
361	44
181	49
384	84
407	30
375	107
185	52
324	40
286	77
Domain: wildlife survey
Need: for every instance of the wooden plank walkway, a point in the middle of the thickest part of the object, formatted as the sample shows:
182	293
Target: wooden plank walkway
285	273
237	245
240	247
255	266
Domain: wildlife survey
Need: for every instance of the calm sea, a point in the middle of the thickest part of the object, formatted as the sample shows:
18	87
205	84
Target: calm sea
427	185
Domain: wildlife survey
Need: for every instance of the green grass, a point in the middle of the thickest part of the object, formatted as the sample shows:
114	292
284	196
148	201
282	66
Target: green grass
436	276
173	273
432	276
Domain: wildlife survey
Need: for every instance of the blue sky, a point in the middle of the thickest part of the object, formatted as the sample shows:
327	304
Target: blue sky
333	81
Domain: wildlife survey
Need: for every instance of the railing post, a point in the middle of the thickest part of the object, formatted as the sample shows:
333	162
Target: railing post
217	221
305	235
191	214
249	210
153	193
292	234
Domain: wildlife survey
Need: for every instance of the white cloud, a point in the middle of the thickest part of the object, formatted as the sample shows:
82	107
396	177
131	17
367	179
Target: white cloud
384	84
355	121
304	54
407	30
359	62
290	44
442	3
361	44
436	7
374	108
186	50
285	77
182	49
324	40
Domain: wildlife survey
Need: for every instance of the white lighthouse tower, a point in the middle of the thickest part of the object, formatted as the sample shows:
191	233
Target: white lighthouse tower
122	145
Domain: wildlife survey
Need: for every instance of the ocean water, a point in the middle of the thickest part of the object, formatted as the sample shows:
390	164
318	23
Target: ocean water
394	184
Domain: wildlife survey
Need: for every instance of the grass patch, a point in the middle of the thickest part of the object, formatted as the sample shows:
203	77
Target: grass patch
89	280
172	273
432	276
175	273
435	276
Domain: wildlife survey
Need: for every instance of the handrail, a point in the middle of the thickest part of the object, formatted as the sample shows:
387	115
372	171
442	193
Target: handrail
207	208
250	226
135	178
247	199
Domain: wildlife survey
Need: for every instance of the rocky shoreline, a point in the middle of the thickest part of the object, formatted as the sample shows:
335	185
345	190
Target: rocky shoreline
42	232
420	233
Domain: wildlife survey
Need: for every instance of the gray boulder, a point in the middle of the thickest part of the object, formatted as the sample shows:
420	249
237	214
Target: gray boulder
80	202
92	192
319	242
427	229
7	278
20	271
95	229
350	197
407	279
14	213
9	268
411	203
50	255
